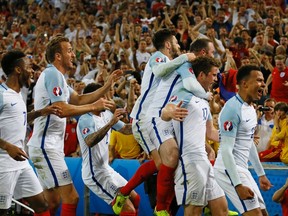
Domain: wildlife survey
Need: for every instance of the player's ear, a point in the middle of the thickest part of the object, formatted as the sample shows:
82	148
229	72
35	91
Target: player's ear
167	45
58	56
17	69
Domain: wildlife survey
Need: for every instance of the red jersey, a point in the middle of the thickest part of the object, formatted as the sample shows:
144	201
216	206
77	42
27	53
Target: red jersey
70	141
229	80
279	91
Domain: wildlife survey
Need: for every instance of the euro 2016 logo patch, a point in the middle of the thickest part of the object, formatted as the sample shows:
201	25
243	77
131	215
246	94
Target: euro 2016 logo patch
57	91
173	98
228	126
85	131
159	60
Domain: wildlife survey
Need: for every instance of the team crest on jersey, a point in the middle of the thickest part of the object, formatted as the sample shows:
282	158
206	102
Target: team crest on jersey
228	126
159	60
191	70
85	130
57	91
173	98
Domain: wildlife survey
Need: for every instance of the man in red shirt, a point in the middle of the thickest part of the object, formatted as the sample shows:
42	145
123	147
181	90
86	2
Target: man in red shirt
281	196
279	80
238	50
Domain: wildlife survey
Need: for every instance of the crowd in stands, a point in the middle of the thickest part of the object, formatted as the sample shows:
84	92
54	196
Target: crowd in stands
117	34
107	35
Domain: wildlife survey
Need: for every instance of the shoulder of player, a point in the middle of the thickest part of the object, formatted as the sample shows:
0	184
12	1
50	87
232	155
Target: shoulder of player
157	57
233	105
51	71
87	117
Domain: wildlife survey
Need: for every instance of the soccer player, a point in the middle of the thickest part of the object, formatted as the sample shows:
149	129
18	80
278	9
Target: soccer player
195	185
46	146
161	64
156	135
237	123
17	177
93	132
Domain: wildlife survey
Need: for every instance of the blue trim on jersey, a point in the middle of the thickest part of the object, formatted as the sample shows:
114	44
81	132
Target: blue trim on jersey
169	93
239	99
93	175
156	131
141	135
45	154
183	165
2	85
242	202
145	95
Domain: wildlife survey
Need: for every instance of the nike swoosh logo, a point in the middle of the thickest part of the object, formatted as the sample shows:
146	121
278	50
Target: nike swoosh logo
197	101
247	120
13	104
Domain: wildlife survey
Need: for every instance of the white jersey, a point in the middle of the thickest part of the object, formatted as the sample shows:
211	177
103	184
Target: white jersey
173	82
49	130
237	119
191	133
150	81
163	93
94	158
13	118
264	132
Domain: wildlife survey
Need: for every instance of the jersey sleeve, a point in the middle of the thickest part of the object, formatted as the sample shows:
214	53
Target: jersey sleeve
190	82
162	66
180	94
229	120
86	125
54	84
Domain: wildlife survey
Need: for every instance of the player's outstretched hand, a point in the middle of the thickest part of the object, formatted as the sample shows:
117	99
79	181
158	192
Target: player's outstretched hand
264	183
179	113
244	192
103	104
118	114
53	109
16	153
114	76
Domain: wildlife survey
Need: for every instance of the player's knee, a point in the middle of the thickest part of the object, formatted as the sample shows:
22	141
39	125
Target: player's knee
74	199
71	198
222	212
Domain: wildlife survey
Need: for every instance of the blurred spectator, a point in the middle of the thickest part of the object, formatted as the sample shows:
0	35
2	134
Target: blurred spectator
79	86
265	124
238	50
71	145
141	54
19	43
279	80
215	145
278	134
124	146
